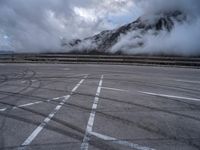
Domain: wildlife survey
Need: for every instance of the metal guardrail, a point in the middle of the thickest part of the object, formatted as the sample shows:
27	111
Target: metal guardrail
111	59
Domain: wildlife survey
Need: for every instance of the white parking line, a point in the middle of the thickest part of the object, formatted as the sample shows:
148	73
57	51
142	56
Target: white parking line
20	106
50	116
85	144
120	142
188	81
77	75
3	109
28	104
114	89
170	96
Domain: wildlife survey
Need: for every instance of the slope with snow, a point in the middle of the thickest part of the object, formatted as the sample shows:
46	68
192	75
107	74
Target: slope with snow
130	36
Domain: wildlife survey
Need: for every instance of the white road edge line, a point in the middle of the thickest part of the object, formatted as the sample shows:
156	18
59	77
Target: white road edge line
114	89
50	116
120	142
85	144
170	96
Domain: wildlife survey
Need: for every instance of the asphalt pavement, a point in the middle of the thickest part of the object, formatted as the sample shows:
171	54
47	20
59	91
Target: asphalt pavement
99	107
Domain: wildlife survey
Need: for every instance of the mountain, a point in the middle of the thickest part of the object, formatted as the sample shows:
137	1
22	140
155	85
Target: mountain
108	41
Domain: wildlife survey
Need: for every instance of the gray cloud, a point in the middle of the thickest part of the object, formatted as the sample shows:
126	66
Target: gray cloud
36	25
182	40
31	25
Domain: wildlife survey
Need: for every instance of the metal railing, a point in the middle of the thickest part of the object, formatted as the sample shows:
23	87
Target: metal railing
111	59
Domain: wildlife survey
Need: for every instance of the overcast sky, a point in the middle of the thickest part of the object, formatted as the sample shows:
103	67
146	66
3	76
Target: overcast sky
41	24
34	23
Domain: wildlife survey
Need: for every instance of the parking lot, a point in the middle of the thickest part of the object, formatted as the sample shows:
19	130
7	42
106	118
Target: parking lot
99	107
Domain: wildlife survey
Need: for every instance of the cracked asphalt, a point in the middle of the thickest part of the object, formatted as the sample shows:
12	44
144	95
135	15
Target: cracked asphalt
99	107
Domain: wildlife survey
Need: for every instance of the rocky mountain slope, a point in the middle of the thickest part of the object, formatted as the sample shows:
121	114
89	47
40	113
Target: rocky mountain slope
107	41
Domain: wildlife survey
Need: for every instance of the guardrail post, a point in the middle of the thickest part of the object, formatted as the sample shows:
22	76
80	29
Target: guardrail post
12	57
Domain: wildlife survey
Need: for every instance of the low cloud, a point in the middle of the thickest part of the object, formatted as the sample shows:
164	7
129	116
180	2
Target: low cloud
183	39
36	25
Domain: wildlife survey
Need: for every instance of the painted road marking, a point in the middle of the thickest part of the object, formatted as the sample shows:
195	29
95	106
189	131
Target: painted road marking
24	105
170	96
50	116
114	89
120	142
56	98
189	81
23	81
3	109
78	75
85	144
30	104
